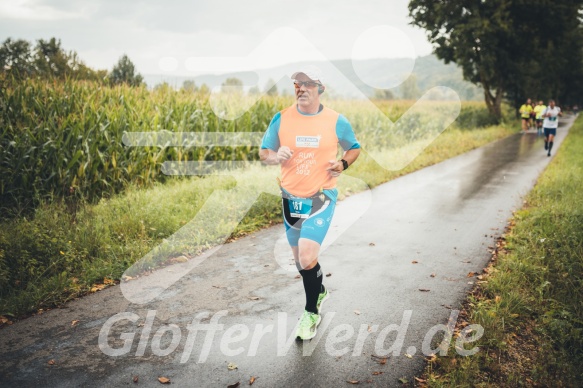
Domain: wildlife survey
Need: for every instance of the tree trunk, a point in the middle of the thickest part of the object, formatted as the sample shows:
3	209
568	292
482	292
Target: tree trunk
493	102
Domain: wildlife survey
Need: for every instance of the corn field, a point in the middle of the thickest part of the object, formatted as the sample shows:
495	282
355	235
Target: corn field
64	138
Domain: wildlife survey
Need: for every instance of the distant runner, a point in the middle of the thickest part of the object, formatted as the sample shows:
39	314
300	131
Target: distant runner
525	110
304	139
538	110
551	123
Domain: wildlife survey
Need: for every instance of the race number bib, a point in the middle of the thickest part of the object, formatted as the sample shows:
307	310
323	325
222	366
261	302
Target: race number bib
300	207
308	141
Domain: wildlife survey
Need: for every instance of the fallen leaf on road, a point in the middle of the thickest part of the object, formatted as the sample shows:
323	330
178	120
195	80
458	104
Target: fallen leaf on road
414	262
471	274
252	380
51	362
164	380
236	385
253	297
403	380
232	366
432	275
424	290
372	244
377	373
328	274
353	382
420	380
74	322
357	312
408	355
97	287
379	359
135	379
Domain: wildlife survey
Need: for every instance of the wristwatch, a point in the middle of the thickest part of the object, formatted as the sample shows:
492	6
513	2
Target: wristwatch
344	164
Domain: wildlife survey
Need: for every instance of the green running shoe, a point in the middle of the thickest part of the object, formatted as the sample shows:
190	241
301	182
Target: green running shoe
321	298
308	323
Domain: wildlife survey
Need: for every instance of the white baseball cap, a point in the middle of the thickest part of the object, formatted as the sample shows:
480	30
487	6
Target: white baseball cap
311	71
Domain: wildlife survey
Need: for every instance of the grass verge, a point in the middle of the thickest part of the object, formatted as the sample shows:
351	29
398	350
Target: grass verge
530	299
63	251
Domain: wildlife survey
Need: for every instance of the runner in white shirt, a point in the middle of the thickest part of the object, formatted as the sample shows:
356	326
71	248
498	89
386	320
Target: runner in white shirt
550	124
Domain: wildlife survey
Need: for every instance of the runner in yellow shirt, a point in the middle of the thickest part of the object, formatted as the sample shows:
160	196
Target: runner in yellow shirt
525	110
538	110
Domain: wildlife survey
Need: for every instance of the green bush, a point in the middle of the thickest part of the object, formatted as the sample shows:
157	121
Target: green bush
478	116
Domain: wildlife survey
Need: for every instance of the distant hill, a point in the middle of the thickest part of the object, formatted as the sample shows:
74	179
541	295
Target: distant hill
341	79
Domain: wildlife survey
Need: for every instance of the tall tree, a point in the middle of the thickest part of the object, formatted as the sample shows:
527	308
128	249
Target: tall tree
232	85
270	87
504	45
477	35
47	60
253	91
50	59
383	94
16	58
409	88
125	72
189	86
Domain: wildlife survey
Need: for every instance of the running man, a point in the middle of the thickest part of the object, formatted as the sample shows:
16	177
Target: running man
525	110
304	140
531	122
538	110
551	123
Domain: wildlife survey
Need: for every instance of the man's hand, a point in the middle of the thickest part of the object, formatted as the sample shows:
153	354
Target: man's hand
335	168
283	154
271	157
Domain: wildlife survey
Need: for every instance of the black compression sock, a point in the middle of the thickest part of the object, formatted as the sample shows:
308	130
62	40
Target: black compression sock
546	145
550	146
312	286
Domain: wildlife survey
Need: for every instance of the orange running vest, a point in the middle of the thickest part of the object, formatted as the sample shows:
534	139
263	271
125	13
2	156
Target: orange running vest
314	142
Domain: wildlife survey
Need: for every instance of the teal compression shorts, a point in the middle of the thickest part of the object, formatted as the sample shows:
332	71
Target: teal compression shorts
307	217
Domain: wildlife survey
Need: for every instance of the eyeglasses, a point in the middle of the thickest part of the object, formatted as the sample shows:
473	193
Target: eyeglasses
309	84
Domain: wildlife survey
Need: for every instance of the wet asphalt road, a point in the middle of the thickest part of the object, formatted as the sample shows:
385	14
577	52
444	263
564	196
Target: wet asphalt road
443	217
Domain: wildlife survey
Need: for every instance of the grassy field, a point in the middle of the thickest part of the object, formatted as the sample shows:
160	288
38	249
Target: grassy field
530	302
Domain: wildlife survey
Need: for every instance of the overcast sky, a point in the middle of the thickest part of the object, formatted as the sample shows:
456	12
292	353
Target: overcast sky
170	37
